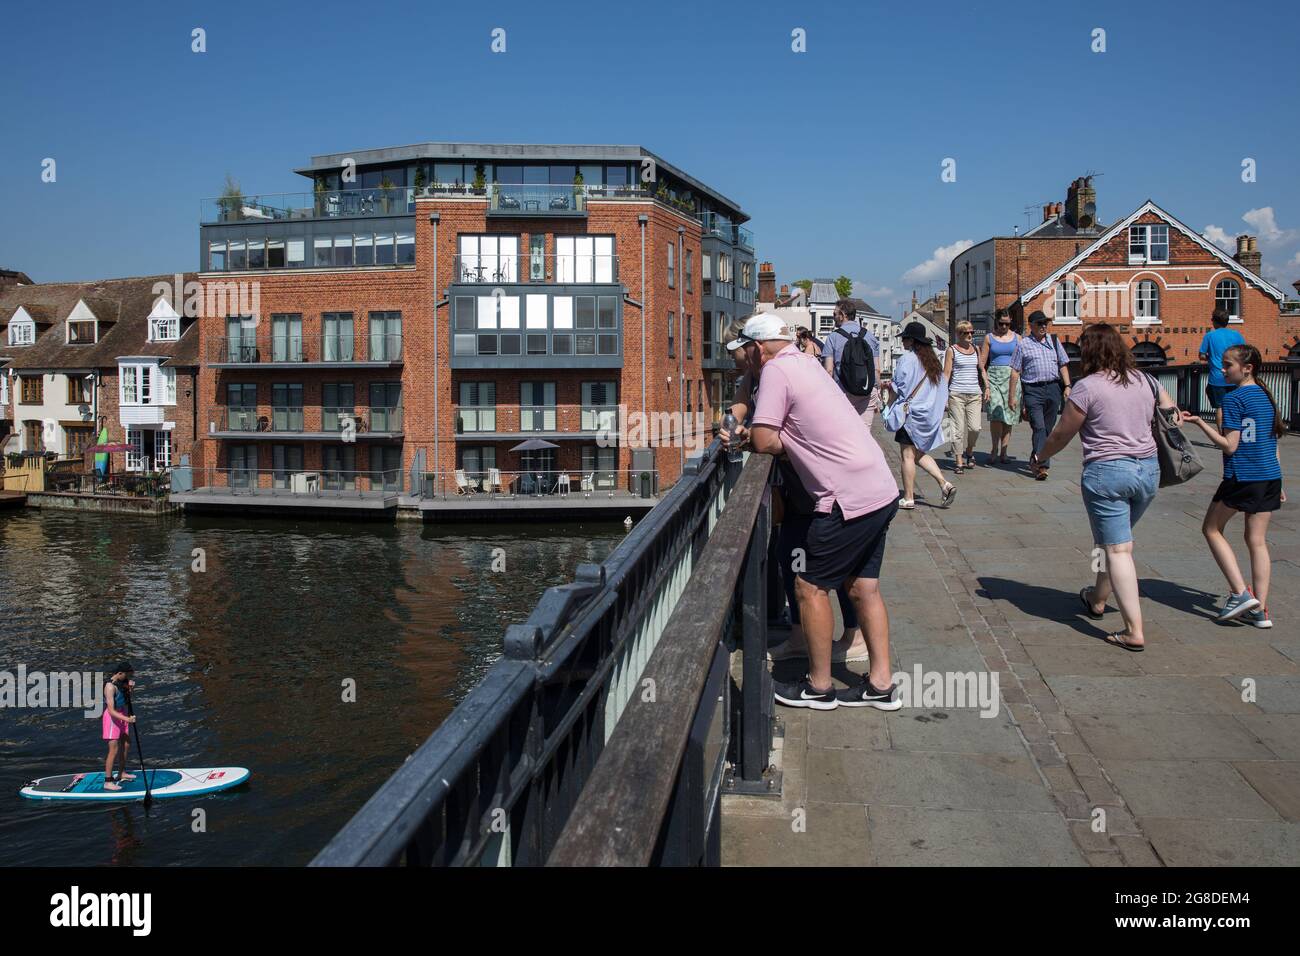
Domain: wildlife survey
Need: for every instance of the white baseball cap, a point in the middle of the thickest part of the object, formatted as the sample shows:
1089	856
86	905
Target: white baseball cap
762	327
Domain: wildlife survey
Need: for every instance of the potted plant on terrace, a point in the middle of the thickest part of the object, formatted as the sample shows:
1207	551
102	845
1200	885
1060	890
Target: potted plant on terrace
386	188
480	180
231	200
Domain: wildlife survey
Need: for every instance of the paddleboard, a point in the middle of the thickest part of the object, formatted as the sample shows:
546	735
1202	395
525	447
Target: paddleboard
163	783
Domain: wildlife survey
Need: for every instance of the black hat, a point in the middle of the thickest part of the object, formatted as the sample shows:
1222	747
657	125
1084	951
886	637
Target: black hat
1038	318
916	332
123	667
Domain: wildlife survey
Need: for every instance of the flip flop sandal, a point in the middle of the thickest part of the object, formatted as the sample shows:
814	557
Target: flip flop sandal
1084	596
949	494
957	470
1117	640
907	504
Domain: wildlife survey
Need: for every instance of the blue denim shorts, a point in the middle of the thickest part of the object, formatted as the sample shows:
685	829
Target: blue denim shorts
1116	493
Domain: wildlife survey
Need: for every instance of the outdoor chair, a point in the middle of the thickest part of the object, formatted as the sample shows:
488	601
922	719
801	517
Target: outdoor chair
494	481
463	487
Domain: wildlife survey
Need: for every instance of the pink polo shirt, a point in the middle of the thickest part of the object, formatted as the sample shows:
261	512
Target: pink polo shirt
829	445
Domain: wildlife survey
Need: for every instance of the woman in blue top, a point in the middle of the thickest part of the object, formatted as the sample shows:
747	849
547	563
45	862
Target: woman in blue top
995	358
1252	481
919	387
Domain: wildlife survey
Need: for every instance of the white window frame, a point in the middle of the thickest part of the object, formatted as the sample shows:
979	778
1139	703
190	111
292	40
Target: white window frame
4	391
129	385
22	332
162	449
135	455
1151	319
1142	237
164	328
1060	301
1234	316
168	385
988	277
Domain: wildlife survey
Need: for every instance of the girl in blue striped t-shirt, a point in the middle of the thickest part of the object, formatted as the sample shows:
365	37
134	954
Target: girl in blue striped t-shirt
1252	482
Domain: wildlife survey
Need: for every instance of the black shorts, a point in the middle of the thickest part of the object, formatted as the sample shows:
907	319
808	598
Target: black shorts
1216	393
839	550
903	438
1250	497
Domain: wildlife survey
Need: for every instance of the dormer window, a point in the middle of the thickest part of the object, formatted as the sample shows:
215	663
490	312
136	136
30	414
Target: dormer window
1148	244
164	323
82	326
22	329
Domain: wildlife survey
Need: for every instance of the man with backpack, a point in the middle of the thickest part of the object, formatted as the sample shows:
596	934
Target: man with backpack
850	354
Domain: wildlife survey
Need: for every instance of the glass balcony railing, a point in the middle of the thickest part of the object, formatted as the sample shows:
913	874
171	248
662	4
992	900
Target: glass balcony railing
278	419
537	200
535	267
330	204
293	349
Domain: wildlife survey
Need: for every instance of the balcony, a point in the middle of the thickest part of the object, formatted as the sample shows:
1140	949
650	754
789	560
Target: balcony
291	423
306	488
536	200
549	489
330	204
491	422
529	269
321	350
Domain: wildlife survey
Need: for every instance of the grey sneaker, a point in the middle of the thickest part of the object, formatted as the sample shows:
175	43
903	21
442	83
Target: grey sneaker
1237	605
1259	617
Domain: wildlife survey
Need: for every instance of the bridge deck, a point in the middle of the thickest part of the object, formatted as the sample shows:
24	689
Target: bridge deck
1187	772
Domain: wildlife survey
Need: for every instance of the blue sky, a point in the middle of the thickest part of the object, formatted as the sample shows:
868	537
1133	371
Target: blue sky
835	152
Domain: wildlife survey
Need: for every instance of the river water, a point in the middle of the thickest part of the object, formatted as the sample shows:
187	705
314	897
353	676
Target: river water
244	663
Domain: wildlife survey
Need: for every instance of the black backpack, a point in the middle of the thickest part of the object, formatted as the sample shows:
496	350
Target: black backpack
857	364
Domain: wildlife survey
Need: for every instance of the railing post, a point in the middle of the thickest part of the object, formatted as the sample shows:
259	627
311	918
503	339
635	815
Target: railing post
751	774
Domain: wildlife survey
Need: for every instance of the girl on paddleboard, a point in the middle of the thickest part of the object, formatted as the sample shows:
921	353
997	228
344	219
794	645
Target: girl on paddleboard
117	724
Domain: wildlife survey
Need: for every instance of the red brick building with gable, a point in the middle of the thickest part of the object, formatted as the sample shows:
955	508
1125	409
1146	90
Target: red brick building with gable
1158	282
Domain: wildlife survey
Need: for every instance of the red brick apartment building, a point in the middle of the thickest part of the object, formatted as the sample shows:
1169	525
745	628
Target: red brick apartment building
1154	278
423	310
72	352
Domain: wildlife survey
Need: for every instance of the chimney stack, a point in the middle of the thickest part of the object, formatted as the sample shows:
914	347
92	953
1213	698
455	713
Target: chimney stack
1248	255
766	282
1049	210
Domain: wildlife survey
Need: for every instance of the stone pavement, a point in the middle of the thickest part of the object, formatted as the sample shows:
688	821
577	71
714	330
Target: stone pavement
1188	766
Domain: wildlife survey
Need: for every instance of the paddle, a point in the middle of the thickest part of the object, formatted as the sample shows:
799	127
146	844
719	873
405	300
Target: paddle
130	712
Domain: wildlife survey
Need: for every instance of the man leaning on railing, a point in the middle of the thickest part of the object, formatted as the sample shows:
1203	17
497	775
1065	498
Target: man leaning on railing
801	412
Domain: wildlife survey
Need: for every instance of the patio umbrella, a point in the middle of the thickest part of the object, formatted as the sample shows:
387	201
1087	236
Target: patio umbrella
110	448
534	444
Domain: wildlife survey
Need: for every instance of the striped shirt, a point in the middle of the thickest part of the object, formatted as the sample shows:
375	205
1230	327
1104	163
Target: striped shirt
1249	410
965	373
1039	361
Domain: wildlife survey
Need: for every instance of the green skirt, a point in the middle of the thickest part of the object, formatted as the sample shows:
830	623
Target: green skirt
1000	410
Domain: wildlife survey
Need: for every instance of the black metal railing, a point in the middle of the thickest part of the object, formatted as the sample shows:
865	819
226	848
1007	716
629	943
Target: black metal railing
497	782
1186	386
655	795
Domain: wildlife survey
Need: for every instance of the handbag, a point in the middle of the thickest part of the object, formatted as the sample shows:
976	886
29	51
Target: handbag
896	413
1179	461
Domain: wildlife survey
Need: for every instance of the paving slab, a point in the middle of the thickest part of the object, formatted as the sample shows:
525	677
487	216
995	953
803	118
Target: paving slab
1193	746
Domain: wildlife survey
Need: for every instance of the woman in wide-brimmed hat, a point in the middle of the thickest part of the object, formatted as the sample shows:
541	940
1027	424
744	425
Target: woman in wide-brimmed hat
915	415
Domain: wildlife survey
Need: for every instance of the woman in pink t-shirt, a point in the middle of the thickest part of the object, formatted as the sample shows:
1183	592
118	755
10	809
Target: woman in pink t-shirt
1111	408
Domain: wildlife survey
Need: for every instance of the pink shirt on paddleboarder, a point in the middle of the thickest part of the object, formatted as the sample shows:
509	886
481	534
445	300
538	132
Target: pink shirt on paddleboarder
834	453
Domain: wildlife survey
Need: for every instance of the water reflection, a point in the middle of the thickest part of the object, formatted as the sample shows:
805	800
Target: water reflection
246	662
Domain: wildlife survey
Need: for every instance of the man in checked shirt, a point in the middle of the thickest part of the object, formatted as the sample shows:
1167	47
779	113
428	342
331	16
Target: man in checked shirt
1041	366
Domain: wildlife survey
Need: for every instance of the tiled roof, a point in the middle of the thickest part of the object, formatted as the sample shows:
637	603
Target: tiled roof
122	307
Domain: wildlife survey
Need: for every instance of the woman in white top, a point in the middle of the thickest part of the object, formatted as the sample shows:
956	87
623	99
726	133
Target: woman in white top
961	367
